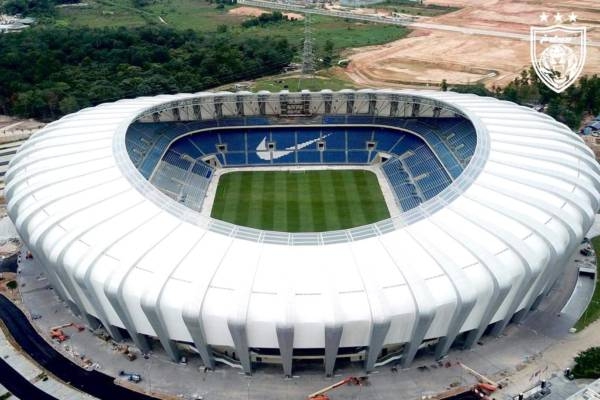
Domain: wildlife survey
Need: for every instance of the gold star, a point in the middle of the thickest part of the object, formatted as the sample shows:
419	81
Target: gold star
558	18
544	17
573	17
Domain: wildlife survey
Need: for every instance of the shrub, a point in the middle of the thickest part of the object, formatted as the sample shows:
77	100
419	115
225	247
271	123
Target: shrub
587	364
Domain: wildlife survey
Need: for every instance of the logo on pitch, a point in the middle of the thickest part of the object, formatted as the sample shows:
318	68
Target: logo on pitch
558	52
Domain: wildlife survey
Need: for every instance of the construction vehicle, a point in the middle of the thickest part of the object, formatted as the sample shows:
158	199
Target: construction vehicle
131	377
73	324
569	374
351	380
57	333
124	349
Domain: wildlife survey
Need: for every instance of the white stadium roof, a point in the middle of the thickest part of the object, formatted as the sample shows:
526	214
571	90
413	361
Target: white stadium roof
484	249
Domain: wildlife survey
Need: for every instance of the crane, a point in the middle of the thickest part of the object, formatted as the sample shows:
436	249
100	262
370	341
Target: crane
351	380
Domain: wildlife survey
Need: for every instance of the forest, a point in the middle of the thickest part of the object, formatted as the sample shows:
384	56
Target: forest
569	107
47	72
35	8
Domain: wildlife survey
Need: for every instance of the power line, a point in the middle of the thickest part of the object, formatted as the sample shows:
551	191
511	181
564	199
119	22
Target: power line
308	65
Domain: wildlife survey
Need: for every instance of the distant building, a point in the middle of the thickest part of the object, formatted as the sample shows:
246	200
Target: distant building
593	142
359	3
362	3
13	23
590	392
595	126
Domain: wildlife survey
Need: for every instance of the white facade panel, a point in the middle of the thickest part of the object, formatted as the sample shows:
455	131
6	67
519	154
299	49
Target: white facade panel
476	254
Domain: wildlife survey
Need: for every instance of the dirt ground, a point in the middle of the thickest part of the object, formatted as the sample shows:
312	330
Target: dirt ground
426	57
12	294
12	129
255	12
14	124
556	358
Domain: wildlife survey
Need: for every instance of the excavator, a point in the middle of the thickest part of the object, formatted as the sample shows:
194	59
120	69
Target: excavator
56	332
351	380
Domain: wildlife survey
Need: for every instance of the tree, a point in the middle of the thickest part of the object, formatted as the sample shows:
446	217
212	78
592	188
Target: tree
68	105
569	107
327	53
50	71
28	7
478	89
587	364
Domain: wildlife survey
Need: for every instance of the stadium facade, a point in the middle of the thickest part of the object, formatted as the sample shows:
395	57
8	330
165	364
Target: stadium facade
493	199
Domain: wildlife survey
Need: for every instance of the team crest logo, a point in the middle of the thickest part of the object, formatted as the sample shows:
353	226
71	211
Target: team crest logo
558	52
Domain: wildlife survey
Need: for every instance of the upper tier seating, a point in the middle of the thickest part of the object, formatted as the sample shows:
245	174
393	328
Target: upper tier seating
423	155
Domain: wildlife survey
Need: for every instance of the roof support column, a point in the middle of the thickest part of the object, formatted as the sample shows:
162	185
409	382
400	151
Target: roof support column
150	307
285	339
240	341
379	331
333	336
423	321
193	323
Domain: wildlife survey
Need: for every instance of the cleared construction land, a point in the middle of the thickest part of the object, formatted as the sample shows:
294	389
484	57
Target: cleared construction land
427	56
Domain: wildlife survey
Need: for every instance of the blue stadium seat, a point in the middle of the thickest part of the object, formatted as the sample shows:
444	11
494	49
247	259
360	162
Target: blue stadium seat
309	157
186	146
309	134
254	137
335	138
423	166
235	139
360	119
236	158
254	159
284	138
386	139
334	119
358	137
334	157
257	121
202	170
358	157
206	142
230	121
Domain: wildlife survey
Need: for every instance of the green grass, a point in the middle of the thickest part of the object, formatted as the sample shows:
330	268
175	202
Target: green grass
592	312
343	33
409	7
302	201
293	83
100	14
200	15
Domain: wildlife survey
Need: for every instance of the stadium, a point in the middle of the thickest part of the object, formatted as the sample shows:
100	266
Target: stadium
310	228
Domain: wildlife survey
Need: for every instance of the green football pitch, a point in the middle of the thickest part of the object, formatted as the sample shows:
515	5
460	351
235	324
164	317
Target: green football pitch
299	201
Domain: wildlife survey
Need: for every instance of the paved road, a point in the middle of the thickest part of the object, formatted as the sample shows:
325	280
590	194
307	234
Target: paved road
16	384
93	382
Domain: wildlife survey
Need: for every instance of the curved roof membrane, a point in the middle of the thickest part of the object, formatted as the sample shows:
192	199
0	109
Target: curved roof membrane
483	250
